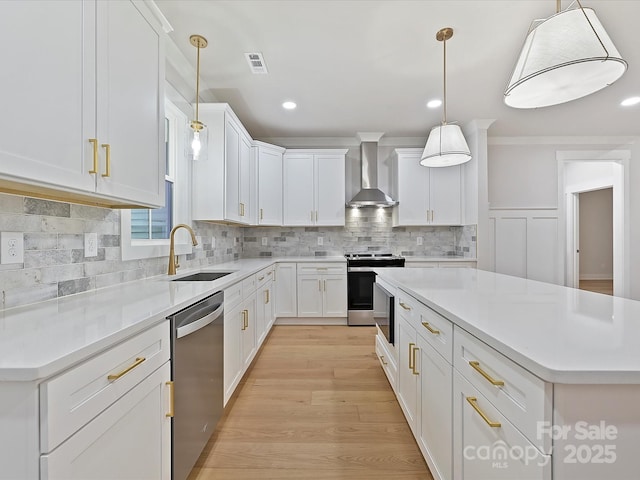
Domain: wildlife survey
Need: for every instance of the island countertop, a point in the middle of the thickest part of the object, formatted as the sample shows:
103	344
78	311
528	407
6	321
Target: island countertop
560	334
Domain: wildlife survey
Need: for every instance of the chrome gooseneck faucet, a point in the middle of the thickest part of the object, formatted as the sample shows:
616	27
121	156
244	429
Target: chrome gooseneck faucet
173	258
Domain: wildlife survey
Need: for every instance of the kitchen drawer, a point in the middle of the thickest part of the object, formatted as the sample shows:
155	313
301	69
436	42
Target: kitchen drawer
232	296
264	275
73	398
389	365
521	397
409	308
248	286
322	268
437	331
483	451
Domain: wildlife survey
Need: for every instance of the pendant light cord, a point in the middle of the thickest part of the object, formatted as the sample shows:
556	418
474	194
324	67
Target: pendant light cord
444	83
198	83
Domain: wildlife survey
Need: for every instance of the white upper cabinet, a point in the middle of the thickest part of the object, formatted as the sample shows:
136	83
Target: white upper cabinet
87	70
314	187
426	196
269	188
221	181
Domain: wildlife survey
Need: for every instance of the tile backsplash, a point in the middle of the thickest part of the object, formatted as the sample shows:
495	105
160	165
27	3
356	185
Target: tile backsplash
55	265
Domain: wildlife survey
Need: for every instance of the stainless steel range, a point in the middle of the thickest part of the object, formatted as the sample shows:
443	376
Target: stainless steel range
360	280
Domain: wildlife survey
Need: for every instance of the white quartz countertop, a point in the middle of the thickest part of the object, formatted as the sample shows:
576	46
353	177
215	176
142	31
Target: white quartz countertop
41	340
410	259
560	334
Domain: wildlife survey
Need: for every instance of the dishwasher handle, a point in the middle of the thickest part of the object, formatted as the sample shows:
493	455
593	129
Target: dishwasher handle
202	322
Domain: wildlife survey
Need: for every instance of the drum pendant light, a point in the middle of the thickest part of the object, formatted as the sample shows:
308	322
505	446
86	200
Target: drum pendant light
566	56
198	131
446	145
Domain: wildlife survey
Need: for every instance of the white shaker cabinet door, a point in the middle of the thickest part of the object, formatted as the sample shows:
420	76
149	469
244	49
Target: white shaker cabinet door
335	295
445	195
249	332
286	293
48	99
116	443
412	191
130	117
232	172
269	187
310	296
298	206
244	181
407	376
330	190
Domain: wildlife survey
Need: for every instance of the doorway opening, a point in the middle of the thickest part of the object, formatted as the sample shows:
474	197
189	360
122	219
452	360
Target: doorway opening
594	264
583	177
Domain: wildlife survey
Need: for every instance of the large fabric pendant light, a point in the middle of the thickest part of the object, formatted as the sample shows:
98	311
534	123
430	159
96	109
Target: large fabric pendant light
446	145
566	56
198	131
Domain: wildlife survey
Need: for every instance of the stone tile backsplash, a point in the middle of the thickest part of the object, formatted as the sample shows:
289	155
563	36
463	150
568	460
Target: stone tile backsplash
55	265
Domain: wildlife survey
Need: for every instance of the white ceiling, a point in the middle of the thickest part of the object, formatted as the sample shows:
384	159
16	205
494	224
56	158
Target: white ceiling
371	66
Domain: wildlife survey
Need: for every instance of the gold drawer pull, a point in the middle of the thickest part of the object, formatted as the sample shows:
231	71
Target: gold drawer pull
382	360
171	408
492	381
261	278
244	319
413	369
116	376
107	172
473	402
405	306
435	331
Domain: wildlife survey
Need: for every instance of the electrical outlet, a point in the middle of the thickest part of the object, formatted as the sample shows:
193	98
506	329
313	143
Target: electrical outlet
265	241
213	243
199	240
419	240
11	247
91	244
320	241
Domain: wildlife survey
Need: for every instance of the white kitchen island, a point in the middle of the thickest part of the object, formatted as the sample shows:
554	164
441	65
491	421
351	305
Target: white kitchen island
543	381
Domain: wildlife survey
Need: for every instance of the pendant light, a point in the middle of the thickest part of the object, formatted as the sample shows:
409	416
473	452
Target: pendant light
446	145
566	56
198	131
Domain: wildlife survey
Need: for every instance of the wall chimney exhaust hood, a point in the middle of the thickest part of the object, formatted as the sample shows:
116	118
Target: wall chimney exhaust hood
370	195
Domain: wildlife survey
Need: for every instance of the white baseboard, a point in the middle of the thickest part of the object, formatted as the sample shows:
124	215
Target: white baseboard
596	276
311	321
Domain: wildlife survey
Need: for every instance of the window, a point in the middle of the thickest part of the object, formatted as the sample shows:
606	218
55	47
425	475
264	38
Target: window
145	232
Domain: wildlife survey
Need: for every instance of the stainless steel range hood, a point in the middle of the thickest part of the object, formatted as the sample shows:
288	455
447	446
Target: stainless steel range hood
370	195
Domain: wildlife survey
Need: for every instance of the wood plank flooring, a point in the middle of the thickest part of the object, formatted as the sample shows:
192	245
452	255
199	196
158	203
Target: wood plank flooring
315	405
599	286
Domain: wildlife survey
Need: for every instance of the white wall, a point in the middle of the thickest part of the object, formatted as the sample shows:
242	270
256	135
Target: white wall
596	235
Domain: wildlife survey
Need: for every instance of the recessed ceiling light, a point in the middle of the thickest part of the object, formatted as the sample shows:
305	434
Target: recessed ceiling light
434	103
627	102
289	105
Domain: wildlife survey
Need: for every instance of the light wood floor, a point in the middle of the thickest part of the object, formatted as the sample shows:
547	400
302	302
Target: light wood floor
599	286
315	405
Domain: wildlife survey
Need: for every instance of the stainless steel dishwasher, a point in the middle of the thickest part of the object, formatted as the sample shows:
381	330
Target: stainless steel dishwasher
196	370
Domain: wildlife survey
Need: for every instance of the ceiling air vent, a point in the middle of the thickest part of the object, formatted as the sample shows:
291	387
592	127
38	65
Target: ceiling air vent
256	63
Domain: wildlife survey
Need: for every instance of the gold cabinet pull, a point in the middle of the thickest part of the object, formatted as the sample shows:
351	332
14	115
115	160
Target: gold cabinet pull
415	361
316	215
116	376
261	214
107	148
405	306
244	320
319	285
324	285
270	272
261	278
268	296
312	215
411	357
382	360
490	379
170	413
435	331
473	401
94	142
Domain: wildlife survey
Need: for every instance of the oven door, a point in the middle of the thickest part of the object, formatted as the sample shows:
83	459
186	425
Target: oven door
383	311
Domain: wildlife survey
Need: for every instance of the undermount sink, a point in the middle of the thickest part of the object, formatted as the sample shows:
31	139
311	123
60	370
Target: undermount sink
202	277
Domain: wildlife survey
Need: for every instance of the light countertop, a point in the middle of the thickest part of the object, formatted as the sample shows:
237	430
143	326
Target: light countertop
562	335
409	259
40	340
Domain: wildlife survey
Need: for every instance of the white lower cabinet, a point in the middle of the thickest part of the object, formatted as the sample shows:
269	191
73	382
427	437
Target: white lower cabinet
434	415
486	444
285	286
265	311
130	439
407	376
322	290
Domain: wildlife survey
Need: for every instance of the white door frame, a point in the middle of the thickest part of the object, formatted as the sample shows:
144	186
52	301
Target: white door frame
568	209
